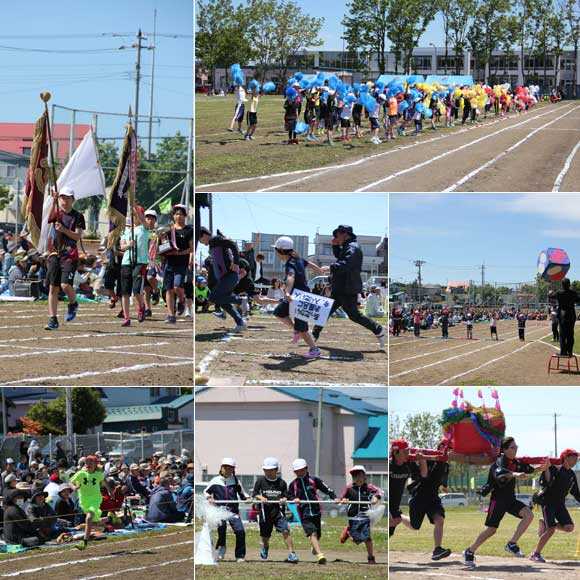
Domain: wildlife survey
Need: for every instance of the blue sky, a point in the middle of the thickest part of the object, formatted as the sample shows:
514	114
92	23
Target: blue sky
455	233
529	412
102	81
237	215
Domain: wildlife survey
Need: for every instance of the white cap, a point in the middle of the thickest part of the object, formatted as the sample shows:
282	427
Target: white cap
270	463
357	468
181	207
68	191
10	460
228	461
299	464
382	97
284	243
151	212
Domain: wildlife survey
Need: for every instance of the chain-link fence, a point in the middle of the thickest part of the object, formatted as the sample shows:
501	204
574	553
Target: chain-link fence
132	446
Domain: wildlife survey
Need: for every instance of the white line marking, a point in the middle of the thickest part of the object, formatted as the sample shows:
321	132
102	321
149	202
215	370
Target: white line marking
491	361
505	152
450	152
115	371
296	355
166	563
444	574
567	164
466	343
207	360
309	383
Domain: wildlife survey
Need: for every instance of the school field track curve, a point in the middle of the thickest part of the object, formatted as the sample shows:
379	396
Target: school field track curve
430	360
93	349
167	554
264	355
414	566
538	150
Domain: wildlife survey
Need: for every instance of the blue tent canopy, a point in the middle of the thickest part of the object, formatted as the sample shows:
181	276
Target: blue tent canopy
312	77
445	80
403	78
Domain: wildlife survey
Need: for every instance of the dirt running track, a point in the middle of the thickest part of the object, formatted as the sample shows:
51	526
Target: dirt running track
411	566
429	360
93	349
535	151
264	355
167	554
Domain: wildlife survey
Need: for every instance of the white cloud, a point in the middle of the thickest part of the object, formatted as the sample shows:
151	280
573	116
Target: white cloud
556	233
557	206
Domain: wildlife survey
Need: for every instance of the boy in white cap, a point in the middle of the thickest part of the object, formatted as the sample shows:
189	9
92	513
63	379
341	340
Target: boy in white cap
304	492
272	488
359	526
151	286
226	486
64	255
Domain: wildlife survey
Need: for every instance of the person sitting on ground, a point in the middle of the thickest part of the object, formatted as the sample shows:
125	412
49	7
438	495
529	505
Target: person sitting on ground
18	529
185	494
113	495
41	515
162	508
64	506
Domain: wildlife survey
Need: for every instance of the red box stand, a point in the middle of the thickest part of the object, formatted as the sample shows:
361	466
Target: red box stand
467	440
570	363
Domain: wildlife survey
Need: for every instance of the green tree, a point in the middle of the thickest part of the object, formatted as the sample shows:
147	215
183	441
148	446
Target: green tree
572	15
510	26
88	411
365	29
422	430
459	16
559	33
6	196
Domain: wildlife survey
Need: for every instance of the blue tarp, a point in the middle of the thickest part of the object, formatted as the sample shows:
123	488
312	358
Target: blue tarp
445	80
403	78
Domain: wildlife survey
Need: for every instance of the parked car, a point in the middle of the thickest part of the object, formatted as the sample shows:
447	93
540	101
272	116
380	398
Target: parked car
453	499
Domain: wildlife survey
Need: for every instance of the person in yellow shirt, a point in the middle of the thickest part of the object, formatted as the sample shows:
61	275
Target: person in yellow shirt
252	118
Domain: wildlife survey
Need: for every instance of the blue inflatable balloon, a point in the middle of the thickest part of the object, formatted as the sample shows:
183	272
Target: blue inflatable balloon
350	99
333	82
290	82
420	108
364	89
291	93
320	78
254	86
370	103
304	83
414	93
269	87
428	113
356	87
300	127
411	80
403	106
298	76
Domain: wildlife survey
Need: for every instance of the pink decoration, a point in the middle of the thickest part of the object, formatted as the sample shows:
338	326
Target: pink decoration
497	406
454	404
479	393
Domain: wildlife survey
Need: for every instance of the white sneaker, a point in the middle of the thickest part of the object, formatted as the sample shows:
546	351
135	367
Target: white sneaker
221	552
381	338
240	560
240	327
187	313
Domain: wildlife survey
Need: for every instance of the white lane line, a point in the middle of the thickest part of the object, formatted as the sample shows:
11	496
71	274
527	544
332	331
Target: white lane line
450	152
419	573
309	383
315	169
150	567
107	349
505	152
491	361
83	561
495	344
430	353
565	169
115	371
87	323
296	355
207	360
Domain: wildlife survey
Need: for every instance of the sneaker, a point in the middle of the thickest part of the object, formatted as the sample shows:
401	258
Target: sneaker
321	558
82	545
171	320
121	314
313	353
252	138
187	313
308	138
219	315
514	549
126	322
439	553
292	557
230	130
148	313
52	324
221	552
240	560
239	327
141	315
535	557
72	312
180	308
264	553
295	338
381	337
241	131
344	535
247	138
469	558
371	560
155	298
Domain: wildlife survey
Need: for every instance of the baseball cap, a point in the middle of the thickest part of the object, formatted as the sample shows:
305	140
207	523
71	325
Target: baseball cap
134	466
228	461
399	445
67	191
93	457
179	206
382	97
10	477
10	460
356	468
344	229
199	280
567	452
151	212
203	231
270	463
299	464
284	243
54	477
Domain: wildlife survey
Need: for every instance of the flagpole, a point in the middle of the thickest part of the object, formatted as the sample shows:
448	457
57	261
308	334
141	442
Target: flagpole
45	97
131	202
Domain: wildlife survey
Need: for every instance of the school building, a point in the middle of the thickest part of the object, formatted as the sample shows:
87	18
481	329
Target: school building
251	424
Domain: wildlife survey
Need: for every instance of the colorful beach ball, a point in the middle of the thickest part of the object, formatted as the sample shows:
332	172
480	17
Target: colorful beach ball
553	264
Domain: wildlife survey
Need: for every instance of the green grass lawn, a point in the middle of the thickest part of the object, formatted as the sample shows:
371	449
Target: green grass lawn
462	525
576	340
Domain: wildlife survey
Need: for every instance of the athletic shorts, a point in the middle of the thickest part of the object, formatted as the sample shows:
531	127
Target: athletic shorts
239	113
60	271
112	274
345	123
329	121
419	508
280	523
554	515
283	311
374	123
188	284
132	279
312	525
498	509
393	119
493	329
359	529
174	277
252	118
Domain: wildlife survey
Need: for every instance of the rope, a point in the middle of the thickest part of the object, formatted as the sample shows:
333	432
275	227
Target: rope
254	500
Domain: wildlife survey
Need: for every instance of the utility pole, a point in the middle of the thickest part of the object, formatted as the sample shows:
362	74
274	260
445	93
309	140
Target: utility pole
4	417
555	435
152	83
419	264
482	284
69	421
210	202
319	430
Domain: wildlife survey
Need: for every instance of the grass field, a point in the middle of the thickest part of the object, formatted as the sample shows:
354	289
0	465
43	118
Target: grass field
462	526
345	561
221	156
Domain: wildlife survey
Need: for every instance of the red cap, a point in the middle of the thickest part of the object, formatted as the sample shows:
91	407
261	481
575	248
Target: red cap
446	442
54	477
399	445
567	452
93	457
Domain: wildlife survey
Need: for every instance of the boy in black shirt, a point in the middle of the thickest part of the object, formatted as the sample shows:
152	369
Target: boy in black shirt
556	483
270	487
399	473
567	299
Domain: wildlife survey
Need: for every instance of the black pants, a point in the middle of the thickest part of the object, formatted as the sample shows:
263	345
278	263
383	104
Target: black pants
445	331
396	327
555	333
521	333
567	336
349	304
238	529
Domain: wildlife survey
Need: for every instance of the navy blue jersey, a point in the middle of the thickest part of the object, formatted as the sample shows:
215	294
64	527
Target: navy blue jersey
297	266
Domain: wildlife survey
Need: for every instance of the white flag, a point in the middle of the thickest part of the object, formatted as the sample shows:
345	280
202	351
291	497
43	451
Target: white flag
83	174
